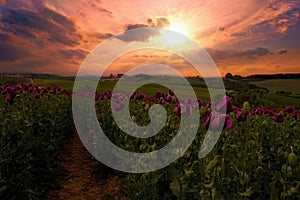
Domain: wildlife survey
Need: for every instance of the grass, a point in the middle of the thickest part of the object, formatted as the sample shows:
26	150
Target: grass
66	84
280	100
274	85
272	99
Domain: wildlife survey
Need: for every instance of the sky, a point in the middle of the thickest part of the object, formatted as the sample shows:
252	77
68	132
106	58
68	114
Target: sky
242	37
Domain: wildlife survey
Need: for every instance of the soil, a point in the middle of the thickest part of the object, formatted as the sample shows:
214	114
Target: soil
80	183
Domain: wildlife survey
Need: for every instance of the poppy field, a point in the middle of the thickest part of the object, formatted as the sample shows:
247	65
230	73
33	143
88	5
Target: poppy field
256	156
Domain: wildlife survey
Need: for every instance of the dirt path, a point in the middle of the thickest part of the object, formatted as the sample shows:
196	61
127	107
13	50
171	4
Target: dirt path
80	183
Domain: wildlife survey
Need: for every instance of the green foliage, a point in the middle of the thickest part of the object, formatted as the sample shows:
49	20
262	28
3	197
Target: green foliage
242	93
253	160
32	132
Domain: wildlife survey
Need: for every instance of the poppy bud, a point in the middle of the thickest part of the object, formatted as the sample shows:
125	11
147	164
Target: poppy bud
246	107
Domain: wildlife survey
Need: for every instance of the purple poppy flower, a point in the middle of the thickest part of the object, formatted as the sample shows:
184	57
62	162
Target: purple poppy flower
289	109
223	105
240	115
214	122
159	94
177	110
206	115
37	96
260	111
278	118
171	91
9	99
162	101
169	98
140	96
295	115
10	90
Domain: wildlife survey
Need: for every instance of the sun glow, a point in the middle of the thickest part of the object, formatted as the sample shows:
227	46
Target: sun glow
175	35
179	28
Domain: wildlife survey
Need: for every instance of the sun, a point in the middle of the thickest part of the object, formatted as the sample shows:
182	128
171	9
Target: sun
174	35
179	28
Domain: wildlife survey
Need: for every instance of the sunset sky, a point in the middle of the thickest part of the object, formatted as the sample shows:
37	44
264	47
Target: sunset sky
243	37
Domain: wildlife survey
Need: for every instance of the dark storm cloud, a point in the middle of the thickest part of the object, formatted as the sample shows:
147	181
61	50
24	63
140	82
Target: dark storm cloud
25	23
251	53
9	52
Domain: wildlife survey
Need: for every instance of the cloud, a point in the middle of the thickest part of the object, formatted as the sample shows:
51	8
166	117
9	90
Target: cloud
9	52
73	54
162	22
33	63
255	21
144	34
95	5
4	37
47	23
221	28
250	53
133	26
282	51
103	35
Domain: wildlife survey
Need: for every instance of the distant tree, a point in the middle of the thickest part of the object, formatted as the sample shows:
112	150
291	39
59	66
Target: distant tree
242	92
228	75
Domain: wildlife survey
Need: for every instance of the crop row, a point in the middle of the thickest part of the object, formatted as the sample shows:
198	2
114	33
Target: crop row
256	156
34	124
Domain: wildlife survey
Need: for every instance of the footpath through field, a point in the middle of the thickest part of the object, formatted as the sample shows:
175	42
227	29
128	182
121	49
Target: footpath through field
80	184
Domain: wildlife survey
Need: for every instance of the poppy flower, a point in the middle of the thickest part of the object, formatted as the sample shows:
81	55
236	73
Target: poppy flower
159	94
214	122
37	96
278	118
169	98
289	109
223	105
9	99
171	92
177	110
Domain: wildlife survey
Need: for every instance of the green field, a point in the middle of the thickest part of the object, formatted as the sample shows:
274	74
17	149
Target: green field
256	156
104	85
274	85
272	99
